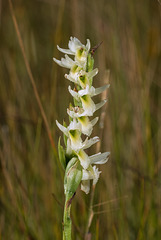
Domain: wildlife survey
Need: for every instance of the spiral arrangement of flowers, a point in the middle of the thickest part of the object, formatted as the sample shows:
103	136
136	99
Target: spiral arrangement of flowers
78	166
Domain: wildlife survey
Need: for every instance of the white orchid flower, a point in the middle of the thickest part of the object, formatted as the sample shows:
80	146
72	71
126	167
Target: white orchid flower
85	160
82	78
92	91
81	112
74	67
74	134
99	158
78	49
66	62
74	72
85	96
85	186
86	124
89	142
92	173
73	131
78	149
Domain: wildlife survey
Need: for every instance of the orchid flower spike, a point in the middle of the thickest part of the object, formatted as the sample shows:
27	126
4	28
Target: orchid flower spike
74	156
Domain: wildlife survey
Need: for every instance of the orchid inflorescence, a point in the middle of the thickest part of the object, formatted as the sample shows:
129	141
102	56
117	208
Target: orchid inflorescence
81	73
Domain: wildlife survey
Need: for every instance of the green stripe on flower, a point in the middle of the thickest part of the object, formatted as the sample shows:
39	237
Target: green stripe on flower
84	159
75	68
83	81
88	104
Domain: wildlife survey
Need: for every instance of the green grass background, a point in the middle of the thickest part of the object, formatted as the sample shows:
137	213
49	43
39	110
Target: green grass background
130	183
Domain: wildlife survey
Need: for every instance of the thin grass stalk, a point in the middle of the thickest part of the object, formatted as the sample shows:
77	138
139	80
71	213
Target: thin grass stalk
32	80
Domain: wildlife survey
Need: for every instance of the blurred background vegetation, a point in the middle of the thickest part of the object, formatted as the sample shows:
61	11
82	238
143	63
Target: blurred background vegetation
128	194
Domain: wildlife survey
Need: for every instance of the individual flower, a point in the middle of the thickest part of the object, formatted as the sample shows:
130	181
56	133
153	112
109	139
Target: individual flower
86	126
73	132
74	67
85	96
78	49
91	91
87	112
82	77
91	174
85	160
66	62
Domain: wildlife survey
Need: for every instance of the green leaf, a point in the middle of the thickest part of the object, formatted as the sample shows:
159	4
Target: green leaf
61	153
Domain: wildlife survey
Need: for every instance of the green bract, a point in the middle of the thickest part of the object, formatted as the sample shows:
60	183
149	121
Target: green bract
61	154
73	176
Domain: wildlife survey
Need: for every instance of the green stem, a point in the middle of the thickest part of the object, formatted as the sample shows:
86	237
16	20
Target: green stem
67	223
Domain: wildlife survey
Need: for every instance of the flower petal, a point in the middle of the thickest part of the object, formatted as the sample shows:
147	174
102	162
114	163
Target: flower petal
88	105
99	158
76	141
99	105
69	77
83	158
101	89
91	173
96	175
67	51
94	121
86	125
87	91
66	62
88	45
85	186
73	93
74	44
74	73
83	79
92	73
89	142
69	148
58	62
62	128
87	175
74	125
